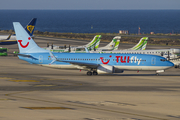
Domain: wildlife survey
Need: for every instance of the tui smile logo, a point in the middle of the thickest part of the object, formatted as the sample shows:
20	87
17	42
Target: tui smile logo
24	46
122	59
102	60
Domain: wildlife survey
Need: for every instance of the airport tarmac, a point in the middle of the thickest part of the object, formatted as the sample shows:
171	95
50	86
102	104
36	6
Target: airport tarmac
32	92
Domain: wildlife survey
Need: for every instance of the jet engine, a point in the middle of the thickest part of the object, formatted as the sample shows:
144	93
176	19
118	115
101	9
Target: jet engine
175	51
176	65
104	69
118	71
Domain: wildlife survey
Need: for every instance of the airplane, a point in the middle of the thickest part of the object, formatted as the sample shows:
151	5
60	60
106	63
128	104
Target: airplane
11	39
113	45
94	44
94	63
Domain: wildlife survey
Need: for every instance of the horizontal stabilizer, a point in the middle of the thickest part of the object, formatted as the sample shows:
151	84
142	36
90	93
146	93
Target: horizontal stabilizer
28	56
53	58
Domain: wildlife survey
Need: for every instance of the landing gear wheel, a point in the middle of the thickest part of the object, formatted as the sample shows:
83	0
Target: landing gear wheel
95	73
175	66
157	74
89	73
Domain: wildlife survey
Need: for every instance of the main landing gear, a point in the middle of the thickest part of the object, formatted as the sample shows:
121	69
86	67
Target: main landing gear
89	73
92	73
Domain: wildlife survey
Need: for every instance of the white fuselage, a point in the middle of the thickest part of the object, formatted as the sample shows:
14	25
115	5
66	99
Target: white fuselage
4	37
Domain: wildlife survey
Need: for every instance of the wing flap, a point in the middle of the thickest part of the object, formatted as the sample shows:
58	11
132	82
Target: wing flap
83	64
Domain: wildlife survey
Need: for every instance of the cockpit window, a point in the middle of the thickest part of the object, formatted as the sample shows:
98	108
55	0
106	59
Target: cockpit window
163	60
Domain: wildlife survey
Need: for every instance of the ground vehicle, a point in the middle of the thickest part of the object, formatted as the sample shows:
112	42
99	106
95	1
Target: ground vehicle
3	51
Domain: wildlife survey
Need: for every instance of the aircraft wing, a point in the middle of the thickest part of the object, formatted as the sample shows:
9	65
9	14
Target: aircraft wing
8	40
80	65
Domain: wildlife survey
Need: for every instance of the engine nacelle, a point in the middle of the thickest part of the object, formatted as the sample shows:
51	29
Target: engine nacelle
175	51
176	65
118	71
104	69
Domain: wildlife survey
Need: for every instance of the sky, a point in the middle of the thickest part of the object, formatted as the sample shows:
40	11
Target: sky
90	4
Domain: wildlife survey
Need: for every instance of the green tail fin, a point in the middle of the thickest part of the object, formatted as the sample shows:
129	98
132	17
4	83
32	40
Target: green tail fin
141	45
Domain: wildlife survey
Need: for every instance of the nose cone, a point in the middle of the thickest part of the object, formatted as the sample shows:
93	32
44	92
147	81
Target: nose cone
170	64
